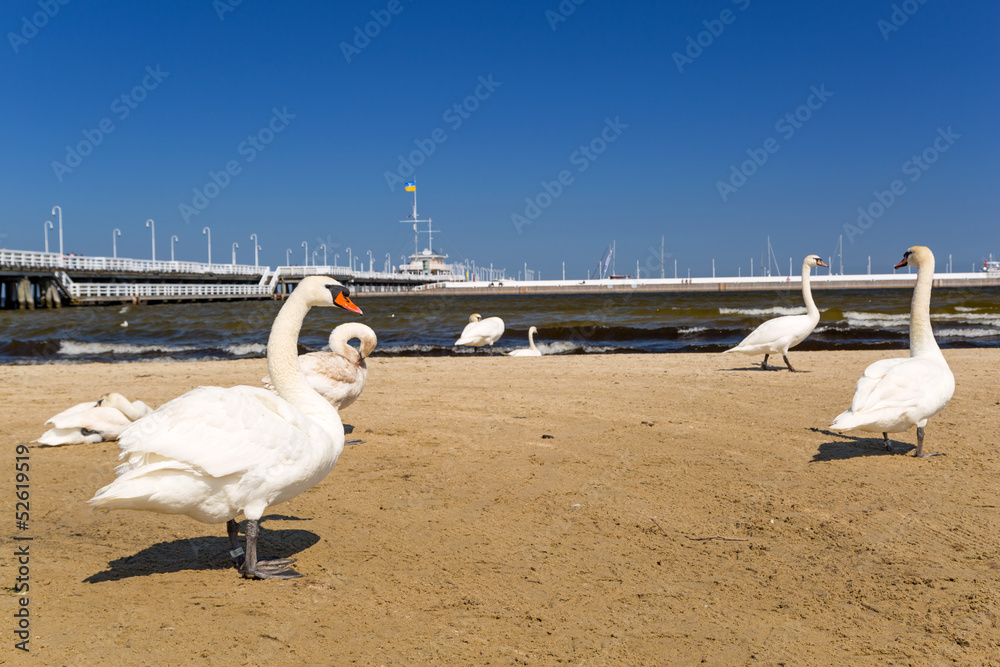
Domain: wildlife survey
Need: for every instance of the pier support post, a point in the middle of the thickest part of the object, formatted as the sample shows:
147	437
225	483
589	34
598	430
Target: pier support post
25	294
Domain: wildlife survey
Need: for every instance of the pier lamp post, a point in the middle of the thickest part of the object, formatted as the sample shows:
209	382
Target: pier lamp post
114	242
371	262
172	239
54	209
208	231
335	257
256	249
314	256
288	257
235	246
46	226
305	244
152	230
323	246
350	262
388	263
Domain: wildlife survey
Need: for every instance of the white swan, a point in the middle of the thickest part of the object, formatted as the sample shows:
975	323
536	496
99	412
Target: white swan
338	375
897	394
532	351
777	335
97	421
215	453
479	332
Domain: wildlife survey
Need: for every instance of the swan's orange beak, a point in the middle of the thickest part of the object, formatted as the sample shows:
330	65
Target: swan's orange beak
345	302
820	262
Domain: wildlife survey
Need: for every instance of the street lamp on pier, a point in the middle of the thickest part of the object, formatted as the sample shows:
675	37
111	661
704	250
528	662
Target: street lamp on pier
45	228
173	238
114	241
256	248
208	231
235	246
54	209
152	234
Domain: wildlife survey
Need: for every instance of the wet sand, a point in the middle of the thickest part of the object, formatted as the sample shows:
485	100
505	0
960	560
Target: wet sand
587	510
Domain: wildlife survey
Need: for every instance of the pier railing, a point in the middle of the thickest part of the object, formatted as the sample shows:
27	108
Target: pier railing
158	290
53	260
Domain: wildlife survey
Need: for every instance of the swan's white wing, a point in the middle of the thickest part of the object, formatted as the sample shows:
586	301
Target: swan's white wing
908	384
525	352
222	431
777	333
68	436
109	421
484	332
79	407
871	378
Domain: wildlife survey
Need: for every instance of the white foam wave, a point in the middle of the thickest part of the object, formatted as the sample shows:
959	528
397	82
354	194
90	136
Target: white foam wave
775	310
73	348
967	333
691	330
966	309
895	320
245	349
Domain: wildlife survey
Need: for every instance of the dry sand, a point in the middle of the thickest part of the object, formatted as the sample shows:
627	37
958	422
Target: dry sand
500	511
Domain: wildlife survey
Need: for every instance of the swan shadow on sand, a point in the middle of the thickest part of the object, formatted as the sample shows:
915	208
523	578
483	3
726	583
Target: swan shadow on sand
202	553
755	368
851	447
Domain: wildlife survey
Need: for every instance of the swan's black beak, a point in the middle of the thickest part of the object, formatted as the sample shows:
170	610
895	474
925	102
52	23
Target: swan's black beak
820	262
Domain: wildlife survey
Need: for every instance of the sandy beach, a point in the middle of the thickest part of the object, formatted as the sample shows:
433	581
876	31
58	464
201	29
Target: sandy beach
586	510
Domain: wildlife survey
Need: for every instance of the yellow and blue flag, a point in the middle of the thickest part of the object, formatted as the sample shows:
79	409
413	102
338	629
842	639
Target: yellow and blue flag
411	186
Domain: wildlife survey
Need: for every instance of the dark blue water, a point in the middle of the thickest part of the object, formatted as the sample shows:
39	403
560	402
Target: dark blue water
429	325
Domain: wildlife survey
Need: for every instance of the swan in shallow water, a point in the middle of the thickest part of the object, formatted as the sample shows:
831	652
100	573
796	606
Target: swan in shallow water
896	394
338	375
479	332
96	421
213	453
532	351
777	335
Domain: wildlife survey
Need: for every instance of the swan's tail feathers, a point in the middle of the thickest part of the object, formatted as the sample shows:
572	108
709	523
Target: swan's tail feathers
155	487
464	341
845	421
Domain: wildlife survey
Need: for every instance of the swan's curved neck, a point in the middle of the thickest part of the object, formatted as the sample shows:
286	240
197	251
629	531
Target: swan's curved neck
922	341
283	366
531	340
807	295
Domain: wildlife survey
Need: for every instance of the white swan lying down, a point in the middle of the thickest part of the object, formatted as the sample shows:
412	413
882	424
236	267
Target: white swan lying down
895	395
340	374
532	351
213	453
479	332
96	421
777	335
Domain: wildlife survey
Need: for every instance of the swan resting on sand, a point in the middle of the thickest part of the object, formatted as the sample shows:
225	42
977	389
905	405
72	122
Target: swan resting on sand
95	421
777	335
214	453
895	395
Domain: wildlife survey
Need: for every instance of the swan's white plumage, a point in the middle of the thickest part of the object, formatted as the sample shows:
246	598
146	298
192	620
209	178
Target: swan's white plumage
92	422
479	332
531	351
215	452
895	395
339	375
778	335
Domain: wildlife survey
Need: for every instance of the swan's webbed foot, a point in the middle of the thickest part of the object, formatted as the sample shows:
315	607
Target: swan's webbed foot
764	366
920	453
270	568
789	364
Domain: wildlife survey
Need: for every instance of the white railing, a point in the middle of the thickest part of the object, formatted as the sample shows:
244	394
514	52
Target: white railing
110	290
346	273
53	260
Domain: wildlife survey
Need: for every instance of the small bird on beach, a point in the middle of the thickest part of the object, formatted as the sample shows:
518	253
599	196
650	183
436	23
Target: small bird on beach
340	374
894	395
479	332
531	350
777	335
216	453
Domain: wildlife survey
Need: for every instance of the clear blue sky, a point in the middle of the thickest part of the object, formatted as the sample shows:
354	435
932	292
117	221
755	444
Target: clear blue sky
679	118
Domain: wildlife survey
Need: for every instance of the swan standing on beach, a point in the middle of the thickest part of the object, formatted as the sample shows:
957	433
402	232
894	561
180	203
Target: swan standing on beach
777	335
532	351
338	375
214	453
479	332
896	394
96	421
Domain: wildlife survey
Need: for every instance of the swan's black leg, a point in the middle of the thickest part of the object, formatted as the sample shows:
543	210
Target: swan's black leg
275	568
788	363
885	439
763	364
920	444
233	530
